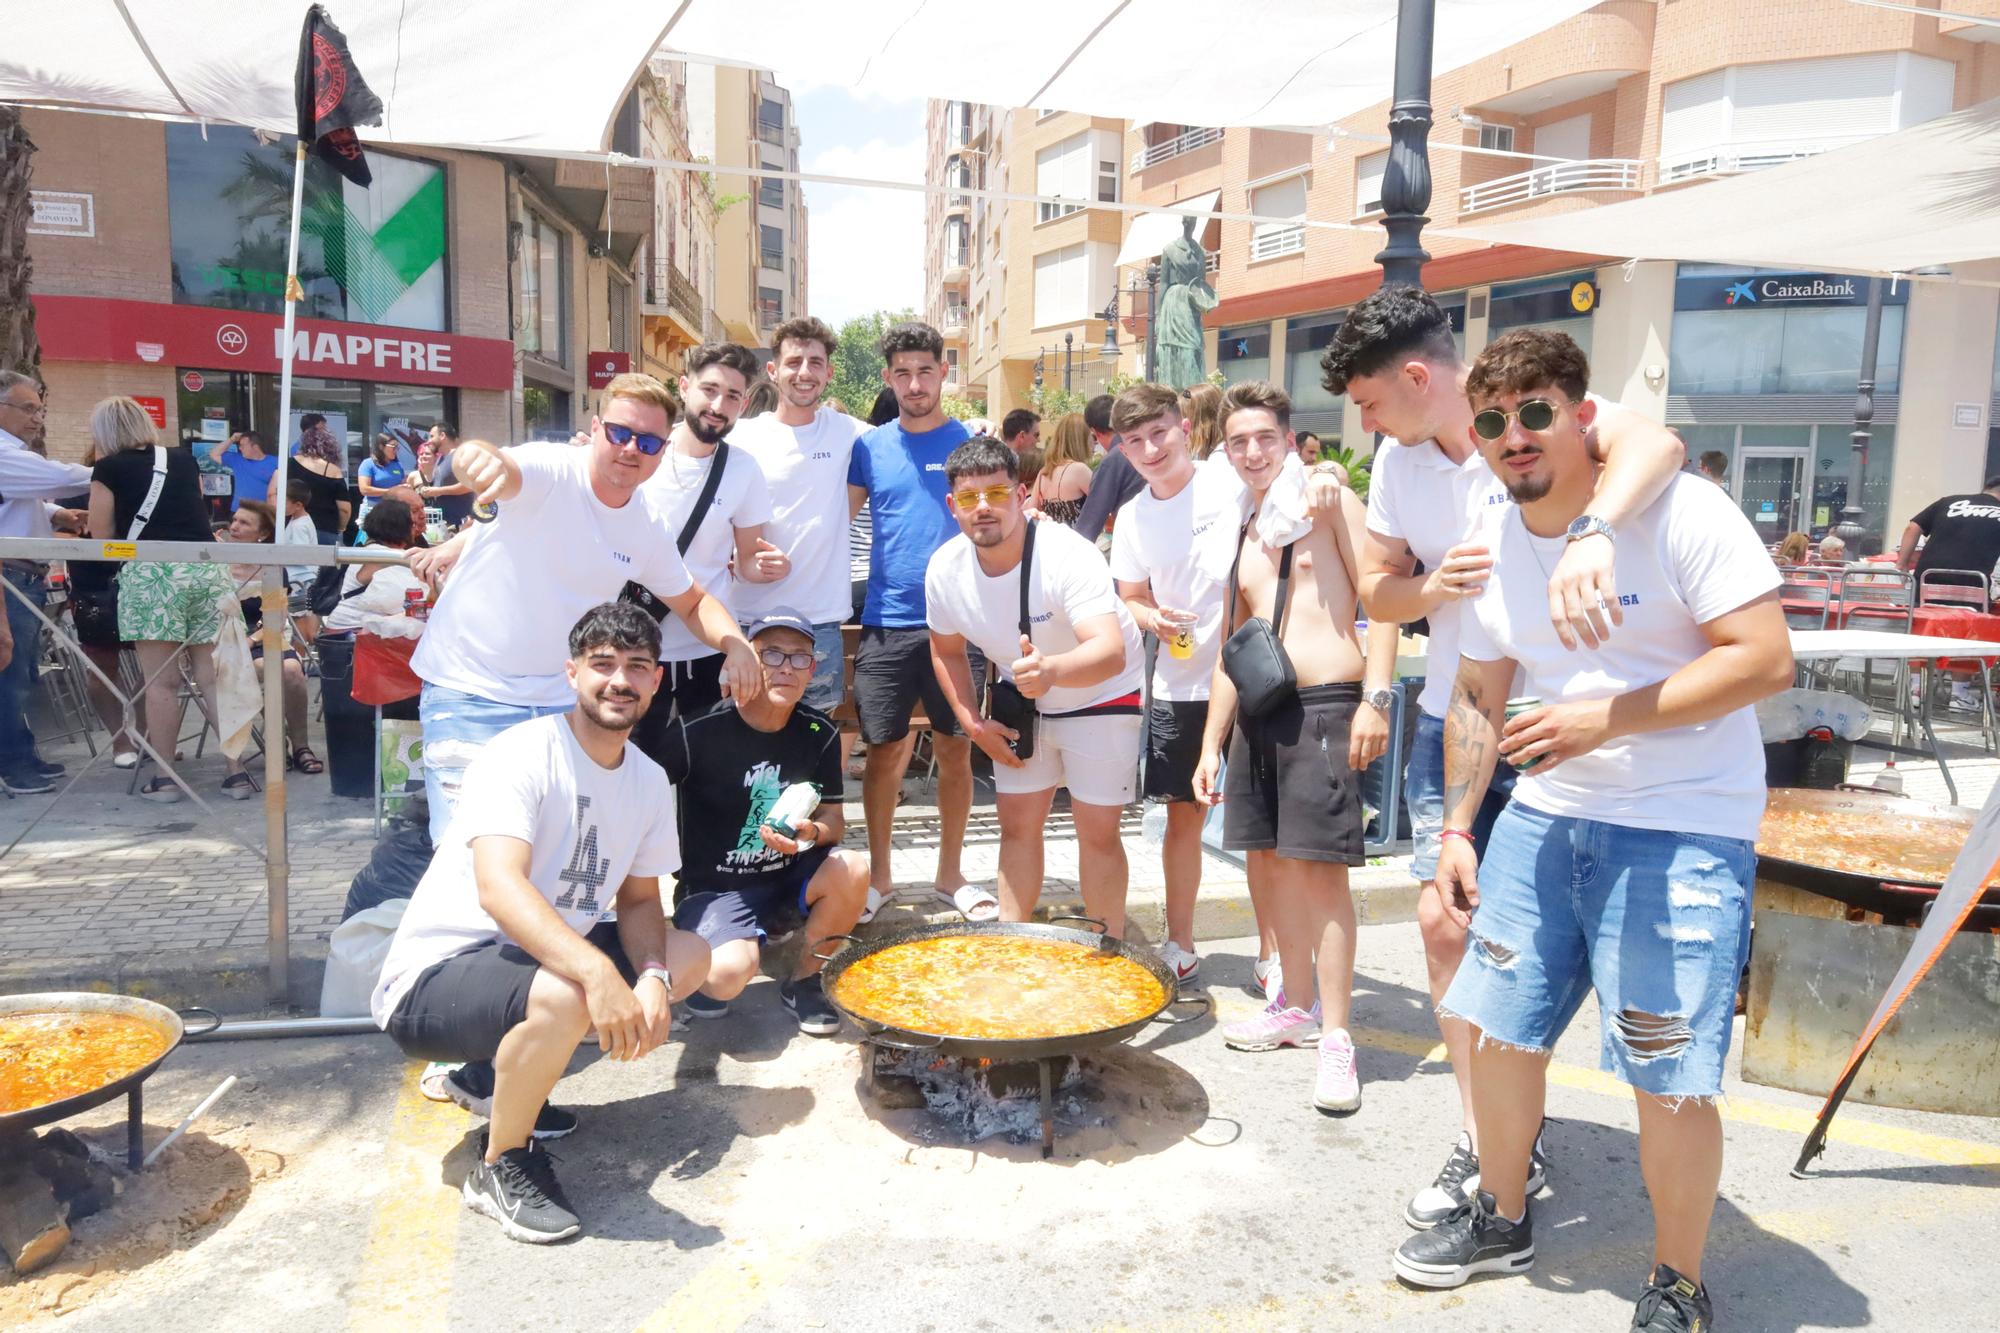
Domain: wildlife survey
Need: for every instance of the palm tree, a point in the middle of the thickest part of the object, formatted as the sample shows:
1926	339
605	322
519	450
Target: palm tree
20	349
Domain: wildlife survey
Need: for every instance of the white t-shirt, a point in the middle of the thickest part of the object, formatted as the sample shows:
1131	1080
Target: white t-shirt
300	532
1070	583
500	630
805	468
383	596
1418	496
741	501
1184	547
1685	560
589	828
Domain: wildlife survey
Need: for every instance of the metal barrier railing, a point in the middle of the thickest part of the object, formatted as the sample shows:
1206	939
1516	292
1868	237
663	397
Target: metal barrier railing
276	616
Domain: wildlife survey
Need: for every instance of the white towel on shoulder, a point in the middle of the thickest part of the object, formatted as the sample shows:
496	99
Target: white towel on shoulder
1282	519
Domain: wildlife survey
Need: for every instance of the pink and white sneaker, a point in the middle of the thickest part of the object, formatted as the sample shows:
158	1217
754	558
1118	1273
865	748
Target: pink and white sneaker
1279	1025
1339	1085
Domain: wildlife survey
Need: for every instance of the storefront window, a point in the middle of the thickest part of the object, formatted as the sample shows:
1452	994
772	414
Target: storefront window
1566	303
373	255
1801	471
546	412
1244	353
229	400
1305	343
1751	331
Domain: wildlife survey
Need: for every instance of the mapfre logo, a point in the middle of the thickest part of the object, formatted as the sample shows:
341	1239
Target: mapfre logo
232	340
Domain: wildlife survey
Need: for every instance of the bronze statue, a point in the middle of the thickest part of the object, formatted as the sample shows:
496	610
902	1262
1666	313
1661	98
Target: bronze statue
1185	296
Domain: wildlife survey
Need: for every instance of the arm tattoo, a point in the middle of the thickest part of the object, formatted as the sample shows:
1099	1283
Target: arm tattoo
1469	742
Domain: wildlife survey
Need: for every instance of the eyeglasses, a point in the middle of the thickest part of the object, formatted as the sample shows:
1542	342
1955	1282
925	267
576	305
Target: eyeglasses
32	409
1535	414
624	435
994	496
777	657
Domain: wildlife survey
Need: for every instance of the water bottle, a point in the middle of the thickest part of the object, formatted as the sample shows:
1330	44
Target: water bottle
1153	824
1889	779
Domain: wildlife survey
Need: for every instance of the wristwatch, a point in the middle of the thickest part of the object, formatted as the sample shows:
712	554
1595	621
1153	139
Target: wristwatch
666	978
1380	700
1590	525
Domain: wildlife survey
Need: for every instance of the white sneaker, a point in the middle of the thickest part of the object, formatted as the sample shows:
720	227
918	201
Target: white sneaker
1185	962
1339	1086
1279	1025
1266	980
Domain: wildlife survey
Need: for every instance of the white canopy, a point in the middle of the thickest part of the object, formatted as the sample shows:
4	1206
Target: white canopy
1926	196
511	73
1150	232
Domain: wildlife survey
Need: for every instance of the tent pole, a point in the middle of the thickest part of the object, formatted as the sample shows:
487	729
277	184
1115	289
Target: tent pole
1853	525
1406	184
277	868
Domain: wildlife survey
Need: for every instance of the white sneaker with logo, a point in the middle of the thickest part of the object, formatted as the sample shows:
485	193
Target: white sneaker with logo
1339	1086
1185	962
1279	1025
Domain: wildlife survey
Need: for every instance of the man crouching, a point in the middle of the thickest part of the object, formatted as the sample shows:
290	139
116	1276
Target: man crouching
504	954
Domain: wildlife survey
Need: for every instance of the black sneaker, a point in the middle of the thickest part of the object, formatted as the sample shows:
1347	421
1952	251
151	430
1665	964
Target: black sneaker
29	781
1672	1304
806	998
699	1005
1472	1240
1538	1161
520	1193
471	1086
46	767
1449	1192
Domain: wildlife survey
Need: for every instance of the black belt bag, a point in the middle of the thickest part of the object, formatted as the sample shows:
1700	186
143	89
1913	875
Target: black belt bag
1254	656
1005	703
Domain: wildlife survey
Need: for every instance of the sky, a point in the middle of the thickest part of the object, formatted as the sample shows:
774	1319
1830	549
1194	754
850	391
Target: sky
865	248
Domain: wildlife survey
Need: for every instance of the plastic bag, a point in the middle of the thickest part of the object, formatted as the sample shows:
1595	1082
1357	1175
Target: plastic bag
355	953
1790	714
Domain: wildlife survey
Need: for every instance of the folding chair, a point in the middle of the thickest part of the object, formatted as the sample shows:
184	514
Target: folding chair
1813	588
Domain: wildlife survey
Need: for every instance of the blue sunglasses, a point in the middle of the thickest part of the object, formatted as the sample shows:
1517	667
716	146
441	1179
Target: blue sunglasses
624	435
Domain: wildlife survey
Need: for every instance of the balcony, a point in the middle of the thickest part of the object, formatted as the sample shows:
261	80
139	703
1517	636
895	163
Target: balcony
1731	159
1186	141
1602	173
956	263
954	321
1272	239
666	287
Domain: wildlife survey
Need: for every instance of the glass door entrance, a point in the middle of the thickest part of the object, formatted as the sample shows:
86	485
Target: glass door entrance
1769	483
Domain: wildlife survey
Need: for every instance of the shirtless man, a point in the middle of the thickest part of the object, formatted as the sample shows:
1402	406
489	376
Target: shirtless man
1292	799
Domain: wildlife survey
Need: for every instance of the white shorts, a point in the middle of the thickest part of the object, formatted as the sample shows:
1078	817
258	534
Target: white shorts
1097	758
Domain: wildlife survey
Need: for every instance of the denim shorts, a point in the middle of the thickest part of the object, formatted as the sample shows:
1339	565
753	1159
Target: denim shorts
1423	791
1656	921
828	687
456	728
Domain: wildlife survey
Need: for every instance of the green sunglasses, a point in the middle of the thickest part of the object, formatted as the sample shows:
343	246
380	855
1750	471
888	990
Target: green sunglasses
1535	414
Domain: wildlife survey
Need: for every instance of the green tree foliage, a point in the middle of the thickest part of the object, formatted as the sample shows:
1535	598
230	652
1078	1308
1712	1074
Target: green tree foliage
857	366
1357	467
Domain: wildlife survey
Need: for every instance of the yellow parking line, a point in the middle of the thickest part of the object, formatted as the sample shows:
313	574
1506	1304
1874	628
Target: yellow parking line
723	1295
406	1271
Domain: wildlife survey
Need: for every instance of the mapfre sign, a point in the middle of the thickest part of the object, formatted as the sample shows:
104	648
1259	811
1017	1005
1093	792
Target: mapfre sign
78	328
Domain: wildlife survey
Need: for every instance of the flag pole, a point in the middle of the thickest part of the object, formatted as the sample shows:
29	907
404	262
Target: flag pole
277	616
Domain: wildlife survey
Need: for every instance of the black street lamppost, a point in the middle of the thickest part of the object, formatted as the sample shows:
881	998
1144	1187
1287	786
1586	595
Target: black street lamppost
1853	526
1406	183
1069	342
1110	317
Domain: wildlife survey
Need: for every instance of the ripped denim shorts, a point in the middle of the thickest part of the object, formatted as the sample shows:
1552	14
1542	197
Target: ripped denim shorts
1657	921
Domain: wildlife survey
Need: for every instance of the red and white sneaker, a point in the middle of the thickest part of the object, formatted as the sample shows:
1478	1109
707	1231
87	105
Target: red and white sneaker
1185	962
1279	1025
1266	980
1339	1086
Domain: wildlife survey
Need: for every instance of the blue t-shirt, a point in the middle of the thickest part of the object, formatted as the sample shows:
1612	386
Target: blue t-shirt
904	477
382	475
253	478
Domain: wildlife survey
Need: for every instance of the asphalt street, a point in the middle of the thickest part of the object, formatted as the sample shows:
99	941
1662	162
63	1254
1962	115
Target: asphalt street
738	1179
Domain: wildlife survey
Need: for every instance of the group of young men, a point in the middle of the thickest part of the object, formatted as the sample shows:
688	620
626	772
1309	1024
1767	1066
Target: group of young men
698	561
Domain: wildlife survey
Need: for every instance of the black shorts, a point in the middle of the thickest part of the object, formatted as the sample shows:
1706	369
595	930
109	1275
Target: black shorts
1288	788
687	690
767	912
461	1008
892	673
1173	747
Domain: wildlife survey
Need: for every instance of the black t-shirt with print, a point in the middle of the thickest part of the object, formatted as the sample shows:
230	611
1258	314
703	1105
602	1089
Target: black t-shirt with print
1964	532
726	775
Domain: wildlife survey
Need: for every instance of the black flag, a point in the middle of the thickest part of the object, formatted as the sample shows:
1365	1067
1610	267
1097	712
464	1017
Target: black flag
333	98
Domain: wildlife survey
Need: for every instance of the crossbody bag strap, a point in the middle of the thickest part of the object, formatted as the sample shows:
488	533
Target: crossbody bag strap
1229	606
1284	591
159	484
709	487
1027	572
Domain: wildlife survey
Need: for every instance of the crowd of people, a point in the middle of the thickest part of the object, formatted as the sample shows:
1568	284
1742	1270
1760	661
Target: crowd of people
633	667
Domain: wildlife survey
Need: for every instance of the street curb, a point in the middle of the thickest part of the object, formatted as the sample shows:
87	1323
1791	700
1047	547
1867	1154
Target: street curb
229	981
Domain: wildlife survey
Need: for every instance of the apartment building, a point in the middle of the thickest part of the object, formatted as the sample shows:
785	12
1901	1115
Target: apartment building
468	287
1021	288
680	262
743	118
1626	99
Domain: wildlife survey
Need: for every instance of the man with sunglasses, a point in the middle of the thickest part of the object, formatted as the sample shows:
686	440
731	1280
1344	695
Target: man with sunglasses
576	524
1623	864
1395	357
1079	665
727	548
743	881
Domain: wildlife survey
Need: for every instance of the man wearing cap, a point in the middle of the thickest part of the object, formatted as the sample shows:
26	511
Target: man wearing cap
755	866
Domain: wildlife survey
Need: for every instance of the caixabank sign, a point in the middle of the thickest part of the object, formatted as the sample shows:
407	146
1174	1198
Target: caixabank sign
1749	290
